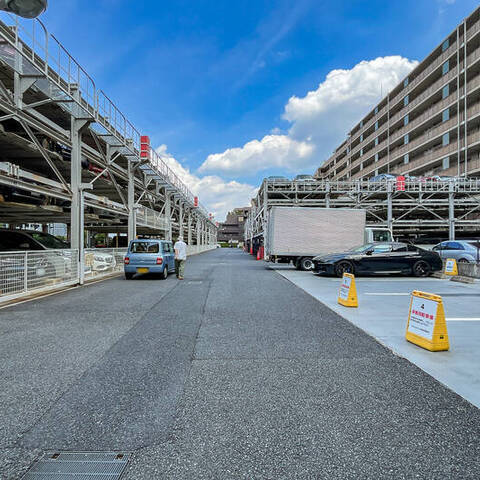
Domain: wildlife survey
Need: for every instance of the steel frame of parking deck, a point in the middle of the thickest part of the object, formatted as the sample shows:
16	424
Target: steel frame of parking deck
408	208
54	121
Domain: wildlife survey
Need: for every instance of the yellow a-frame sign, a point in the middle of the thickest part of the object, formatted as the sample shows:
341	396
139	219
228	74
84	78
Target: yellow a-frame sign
451	267
347	295
426	326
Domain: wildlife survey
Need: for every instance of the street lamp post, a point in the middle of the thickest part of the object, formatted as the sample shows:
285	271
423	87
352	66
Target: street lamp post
24	8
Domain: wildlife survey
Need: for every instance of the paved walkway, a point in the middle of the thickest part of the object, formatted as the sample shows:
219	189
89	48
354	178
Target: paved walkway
232	373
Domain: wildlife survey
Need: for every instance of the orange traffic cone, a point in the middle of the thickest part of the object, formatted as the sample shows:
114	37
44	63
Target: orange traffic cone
258	253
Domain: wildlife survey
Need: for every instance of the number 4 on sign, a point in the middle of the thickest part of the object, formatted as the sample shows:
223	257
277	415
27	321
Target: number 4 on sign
347	295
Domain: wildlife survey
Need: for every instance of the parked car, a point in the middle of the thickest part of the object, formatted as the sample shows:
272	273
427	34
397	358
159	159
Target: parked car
383	177
149	256
380	258
32	240
460	250
304	178
12	240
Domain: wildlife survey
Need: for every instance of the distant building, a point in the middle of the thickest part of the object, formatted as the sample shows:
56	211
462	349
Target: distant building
427	125
231	230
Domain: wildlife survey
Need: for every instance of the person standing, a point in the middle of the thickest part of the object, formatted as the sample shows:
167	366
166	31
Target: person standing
180	248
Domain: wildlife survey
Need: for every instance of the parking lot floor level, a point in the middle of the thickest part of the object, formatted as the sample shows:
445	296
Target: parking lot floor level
383	313
232	373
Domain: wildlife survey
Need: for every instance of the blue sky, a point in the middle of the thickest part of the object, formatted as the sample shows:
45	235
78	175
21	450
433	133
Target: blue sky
222	87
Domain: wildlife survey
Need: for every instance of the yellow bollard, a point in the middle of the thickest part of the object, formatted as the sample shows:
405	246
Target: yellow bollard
426	325
347	295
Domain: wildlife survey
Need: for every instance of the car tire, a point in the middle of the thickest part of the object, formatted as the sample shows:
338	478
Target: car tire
344	266
306	264
421	269
128	275
164	274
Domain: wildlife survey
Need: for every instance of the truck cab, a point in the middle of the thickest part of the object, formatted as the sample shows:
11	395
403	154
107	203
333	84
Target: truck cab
376	234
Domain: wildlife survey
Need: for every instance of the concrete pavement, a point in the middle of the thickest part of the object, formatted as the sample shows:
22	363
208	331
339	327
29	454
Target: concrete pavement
232	373
383	311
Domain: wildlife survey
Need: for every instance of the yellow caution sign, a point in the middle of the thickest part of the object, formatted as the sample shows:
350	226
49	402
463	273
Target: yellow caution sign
426	326
451	267
347	295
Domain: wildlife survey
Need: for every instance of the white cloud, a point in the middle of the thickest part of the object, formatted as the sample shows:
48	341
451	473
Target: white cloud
319	121
271	151
218	195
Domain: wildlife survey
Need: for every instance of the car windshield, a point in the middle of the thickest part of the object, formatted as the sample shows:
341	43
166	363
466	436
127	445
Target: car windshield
361	248
49	241
144	247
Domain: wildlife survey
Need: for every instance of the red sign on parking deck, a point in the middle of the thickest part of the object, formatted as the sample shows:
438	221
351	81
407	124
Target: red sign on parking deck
400	183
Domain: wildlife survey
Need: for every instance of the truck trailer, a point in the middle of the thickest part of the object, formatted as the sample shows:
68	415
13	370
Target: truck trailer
297	234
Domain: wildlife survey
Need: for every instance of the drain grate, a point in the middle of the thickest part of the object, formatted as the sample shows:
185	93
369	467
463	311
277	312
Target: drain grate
78	466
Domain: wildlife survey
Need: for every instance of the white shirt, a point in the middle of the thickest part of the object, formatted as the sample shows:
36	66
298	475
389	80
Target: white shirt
181	248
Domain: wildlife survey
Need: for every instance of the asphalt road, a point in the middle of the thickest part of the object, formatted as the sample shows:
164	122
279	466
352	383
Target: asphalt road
232	373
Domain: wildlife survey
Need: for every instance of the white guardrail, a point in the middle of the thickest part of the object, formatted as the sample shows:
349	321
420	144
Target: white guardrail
26	273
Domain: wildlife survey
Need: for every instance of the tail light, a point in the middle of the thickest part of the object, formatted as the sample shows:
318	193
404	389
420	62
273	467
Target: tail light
159	260
127	260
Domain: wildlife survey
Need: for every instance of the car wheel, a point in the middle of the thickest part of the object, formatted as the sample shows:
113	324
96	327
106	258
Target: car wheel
421	269
306	264
344	267
165	273
128	276
463	260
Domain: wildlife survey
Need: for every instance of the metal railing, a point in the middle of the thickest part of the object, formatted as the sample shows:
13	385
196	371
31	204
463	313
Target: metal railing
26	273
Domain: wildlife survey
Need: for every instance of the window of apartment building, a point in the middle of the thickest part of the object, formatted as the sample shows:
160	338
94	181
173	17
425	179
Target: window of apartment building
376	171
361	151
376	125
361	165
446	115
376	141
361	137
405	120
445	139
405	82
376	157
445	44
406	139
361	123
445	67
406	158
376	110
240	219
405	101
446	163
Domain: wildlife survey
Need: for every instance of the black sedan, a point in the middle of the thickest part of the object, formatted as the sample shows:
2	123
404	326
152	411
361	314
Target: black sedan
380	258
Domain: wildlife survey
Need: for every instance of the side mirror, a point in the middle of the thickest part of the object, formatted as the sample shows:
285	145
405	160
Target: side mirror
368	252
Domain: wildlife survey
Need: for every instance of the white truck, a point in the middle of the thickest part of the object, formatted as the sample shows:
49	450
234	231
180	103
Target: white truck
297	234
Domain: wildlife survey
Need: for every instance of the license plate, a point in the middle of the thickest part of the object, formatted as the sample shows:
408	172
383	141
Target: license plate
142	270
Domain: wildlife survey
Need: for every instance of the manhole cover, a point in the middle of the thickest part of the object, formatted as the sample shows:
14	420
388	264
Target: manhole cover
78	466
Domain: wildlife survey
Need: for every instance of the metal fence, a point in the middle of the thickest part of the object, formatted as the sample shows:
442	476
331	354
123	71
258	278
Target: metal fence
22	273
100	262
25	273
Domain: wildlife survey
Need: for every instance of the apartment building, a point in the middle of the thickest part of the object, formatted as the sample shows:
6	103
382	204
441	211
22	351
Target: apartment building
429	124
231	230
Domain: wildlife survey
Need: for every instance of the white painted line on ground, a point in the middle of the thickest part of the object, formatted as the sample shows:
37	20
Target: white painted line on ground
464	319
383	294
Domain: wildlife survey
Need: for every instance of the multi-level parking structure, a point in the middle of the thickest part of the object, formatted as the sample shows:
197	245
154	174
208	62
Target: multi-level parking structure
71	156
409	208
429	124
